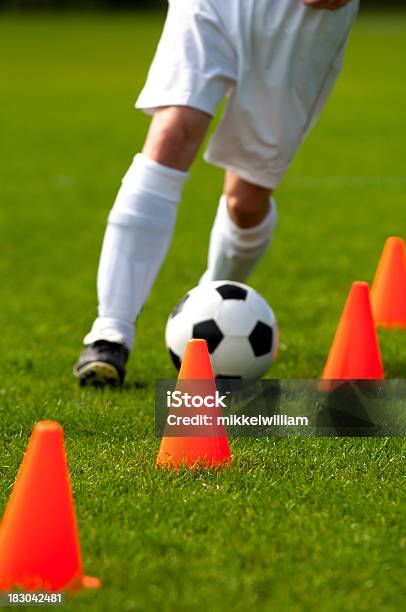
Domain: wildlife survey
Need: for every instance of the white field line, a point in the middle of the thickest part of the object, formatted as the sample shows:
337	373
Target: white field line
348	181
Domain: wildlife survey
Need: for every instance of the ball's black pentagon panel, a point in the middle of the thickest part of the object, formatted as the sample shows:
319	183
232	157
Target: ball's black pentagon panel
261	339
176	360
209	331
232	292
179	307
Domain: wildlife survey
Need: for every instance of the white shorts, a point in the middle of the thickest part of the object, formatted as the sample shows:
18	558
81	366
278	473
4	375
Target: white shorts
275	60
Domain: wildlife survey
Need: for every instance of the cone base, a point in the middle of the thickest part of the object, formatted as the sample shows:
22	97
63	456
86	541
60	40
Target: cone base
327	386
91	582
78	584
170	463
391	325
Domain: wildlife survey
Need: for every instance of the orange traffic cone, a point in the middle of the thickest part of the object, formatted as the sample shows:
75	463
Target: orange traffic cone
39	545
388	293
355	353
208	451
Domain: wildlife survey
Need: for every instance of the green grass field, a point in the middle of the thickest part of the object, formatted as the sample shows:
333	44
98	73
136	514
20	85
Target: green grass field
297	524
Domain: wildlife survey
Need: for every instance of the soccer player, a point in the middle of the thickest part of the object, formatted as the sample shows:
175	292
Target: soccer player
276	62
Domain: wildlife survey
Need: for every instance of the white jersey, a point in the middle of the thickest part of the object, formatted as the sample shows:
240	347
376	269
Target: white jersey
276	62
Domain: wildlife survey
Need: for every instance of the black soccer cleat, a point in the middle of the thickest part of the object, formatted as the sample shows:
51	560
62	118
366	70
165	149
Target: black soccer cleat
102	363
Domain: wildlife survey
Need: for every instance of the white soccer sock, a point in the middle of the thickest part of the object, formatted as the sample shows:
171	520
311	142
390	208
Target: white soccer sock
137	238
233	251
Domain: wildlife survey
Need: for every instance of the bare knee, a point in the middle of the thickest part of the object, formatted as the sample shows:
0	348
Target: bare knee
175	136
248	204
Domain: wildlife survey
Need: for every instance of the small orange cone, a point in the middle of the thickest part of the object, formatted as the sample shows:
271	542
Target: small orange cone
388	293
206	451
39	544
355	353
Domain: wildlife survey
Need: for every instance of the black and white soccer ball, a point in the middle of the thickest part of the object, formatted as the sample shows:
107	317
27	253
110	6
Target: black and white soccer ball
238	324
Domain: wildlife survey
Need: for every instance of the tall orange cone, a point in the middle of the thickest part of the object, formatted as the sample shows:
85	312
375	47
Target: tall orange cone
388	293
355	353
39	544
207	451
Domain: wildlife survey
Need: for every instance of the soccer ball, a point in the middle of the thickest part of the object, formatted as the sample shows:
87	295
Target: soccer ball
238	324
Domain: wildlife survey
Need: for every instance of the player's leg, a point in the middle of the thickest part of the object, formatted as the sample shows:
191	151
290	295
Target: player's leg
283	84
175	136
194	67
137	238
242	230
